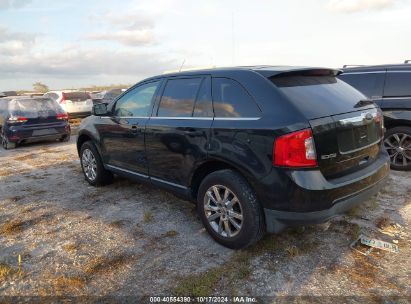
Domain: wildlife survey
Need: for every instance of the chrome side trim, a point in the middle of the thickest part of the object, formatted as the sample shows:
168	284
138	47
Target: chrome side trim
168	183
183	118
237	118
370	72
128	171
409	97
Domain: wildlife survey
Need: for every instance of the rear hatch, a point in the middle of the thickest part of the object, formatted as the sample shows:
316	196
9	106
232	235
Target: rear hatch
347	128
40	116
77	102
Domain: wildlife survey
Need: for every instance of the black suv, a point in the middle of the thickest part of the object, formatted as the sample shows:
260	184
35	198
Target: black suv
256	148
389	86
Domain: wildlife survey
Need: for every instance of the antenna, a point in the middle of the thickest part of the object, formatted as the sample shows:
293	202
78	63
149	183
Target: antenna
233	39
182	65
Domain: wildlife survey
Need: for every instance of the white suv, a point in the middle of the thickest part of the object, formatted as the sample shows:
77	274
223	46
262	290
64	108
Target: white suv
75	103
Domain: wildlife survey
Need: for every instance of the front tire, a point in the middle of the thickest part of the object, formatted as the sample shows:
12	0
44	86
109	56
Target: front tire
93	168
229	210
398	144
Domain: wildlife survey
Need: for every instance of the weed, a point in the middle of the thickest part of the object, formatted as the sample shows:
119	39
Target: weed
5	271
70	247
148	217
293	251
103	264
12	227
171	233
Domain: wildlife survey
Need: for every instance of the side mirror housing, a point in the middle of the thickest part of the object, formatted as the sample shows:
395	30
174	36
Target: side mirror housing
100	109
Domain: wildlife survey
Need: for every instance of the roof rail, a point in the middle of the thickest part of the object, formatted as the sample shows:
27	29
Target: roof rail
352	65
407	61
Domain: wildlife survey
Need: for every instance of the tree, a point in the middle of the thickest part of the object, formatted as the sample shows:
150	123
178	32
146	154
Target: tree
40	87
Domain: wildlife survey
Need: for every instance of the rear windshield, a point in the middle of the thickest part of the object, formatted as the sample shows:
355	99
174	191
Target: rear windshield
34	108
318	96
75	96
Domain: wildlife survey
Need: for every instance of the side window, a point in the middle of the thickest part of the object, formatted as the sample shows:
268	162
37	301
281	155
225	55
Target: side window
178	97
204	106
230	99
398	84
137	102
370	84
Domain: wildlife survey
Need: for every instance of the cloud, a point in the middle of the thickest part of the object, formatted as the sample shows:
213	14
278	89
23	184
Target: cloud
13	43
8	4
127	37
353	6
131	29
70	62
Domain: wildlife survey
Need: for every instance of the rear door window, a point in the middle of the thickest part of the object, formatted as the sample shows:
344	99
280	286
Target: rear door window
178	97
370	84
34	108
398	84
137	102
230	99
203	105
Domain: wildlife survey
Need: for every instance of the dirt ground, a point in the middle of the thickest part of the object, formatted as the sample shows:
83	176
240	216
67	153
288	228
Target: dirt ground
60	236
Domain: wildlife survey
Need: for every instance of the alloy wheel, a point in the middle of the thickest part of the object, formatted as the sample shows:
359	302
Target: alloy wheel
89	164
223	211
398	146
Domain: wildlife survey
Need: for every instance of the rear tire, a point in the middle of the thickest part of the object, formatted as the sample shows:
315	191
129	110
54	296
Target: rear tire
65	138
397	141
92	166
233	216
7	145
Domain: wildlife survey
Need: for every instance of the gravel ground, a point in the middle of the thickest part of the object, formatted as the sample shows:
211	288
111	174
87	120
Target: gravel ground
131	239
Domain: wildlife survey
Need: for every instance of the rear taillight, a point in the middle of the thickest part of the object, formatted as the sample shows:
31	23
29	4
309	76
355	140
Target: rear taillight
296	149
63	98
62	116
17	119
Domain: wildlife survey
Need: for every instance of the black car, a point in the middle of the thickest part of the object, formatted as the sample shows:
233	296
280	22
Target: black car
256	148
389	86
26	119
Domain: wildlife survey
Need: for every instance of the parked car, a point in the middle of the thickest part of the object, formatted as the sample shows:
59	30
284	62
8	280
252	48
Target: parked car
257	149
9	93
26	119
2	95
76	103
96	96
110	95
389	86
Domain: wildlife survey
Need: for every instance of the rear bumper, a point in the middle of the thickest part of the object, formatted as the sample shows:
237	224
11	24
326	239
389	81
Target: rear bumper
278	220
307	197
79	114
33	134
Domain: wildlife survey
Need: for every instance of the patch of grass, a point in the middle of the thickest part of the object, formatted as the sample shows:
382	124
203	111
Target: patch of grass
148	217
104	264
171	233
293	251
5	271
70	247
12	227
201	285
353	212
63	283
383	222
373	203
117	223
25	157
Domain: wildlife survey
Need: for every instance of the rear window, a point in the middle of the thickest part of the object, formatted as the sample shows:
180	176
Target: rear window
77	96
370	84
230	99
34	108
318	96
398	84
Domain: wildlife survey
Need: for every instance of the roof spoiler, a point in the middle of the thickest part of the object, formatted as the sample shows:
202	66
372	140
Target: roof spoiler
309	72
352	65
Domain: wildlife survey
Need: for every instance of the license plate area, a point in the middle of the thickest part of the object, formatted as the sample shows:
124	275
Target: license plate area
43	132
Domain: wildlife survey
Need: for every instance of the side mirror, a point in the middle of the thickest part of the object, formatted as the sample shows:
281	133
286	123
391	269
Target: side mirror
100	109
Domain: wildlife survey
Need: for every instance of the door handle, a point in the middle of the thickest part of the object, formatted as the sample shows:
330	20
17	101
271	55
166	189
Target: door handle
135	129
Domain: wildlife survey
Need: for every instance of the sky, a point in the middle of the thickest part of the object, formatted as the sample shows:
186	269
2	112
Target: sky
78	43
